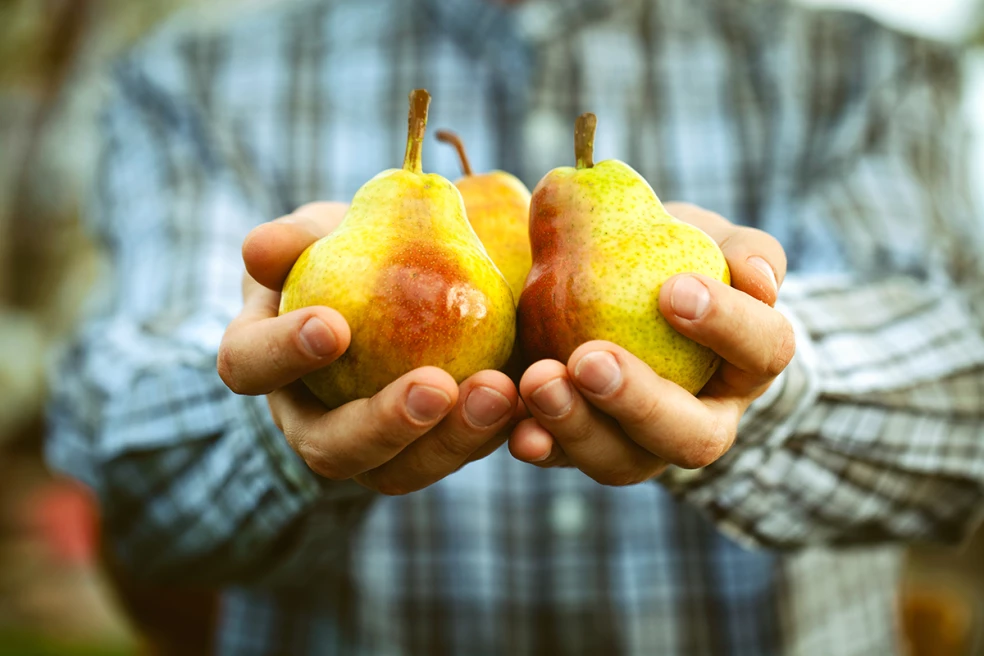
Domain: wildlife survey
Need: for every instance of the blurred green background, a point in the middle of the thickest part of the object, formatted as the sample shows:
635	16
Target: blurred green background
57	593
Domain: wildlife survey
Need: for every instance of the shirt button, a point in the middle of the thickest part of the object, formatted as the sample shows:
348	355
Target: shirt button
568	515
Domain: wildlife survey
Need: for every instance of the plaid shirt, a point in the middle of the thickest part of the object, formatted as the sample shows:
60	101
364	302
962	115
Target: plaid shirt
839	137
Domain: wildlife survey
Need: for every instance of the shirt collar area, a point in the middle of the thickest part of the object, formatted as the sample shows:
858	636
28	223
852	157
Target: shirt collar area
482	25
477	23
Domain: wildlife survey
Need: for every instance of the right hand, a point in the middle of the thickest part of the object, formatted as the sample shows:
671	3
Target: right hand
414	432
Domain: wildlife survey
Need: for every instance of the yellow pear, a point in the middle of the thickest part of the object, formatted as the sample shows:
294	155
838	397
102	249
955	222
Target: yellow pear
498	207
603	245
409	274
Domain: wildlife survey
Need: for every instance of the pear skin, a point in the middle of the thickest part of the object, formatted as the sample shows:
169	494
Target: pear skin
498	207
603	245
409	274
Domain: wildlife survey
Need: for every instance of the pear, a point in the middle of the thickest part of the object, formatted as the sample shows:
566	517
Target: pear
603	245
409	274
498	207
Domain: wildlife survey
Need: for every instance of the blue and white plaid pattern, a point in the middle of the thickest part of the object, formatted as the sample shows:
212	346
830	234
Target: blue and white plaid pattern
838	136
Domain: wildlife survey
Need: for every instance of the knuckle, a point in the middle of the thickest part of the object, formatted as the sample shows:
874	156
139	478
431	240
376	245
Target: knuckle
228	371
704	451
648	412
701	454
761	236
388	436
320	464
709	448
579	431
451	447
275	353
386	425
784	351
314	457
761	242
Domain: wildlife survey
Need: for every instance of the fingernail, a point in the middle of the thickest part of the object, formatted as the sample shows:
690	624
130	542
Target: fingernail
599	373
426	404
485	406
553	398
764	267
318	338
544	457
690	298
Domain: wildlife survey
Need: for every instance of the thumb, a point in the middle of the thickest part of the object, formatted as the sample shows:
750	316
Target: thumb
270	250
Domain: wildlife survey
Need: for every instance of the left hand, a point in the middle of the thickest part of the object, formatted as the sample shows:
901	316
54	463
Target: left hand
608	414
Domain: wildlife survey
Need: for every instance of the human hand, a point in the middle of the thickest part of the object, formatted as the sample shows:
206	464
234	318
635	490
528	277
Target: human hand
414	432
607	413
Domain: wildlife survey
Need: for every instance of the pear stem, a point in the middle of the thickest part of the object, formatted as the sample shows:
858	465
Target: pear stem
448	137
584	132
416	125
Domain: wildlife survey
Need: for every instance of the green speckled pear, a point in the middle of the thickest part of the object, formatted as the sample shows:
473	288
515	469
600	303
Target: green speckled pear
409	274
603	245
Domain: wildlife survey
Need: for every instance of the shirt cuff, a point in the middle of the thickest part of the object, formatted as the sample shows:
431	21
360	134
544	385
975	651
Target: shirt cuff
770	419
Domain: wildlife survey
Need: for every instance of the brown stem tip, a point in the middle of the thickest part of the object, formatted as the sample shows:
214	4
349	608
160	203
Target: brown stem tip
416	126
584	132
448	137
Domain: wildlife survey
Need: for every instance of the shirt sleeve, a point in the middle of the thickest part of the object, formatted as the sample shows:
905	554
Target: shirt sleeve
195	483
876	430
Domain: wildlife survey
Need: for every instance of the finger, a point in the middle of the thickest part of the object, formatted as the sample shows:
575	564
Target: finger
753	337
258	301
658	415
519	414
715	225
486	402
363	434
270	250
756	259
593	441
757	263
532	443
260	353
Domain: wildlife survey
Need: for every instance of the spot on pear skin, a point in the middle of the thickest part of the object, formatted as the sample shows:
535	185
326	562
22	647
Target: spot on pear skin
416	300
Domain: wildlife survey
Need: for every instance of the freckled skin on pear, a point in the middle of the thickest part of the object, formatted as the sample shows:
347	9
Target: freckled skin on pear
411	278
603	245
498	207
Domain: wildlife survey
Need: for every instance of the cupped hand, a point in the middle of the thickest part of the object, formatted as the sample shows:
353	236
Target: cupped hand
414	432
607	413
